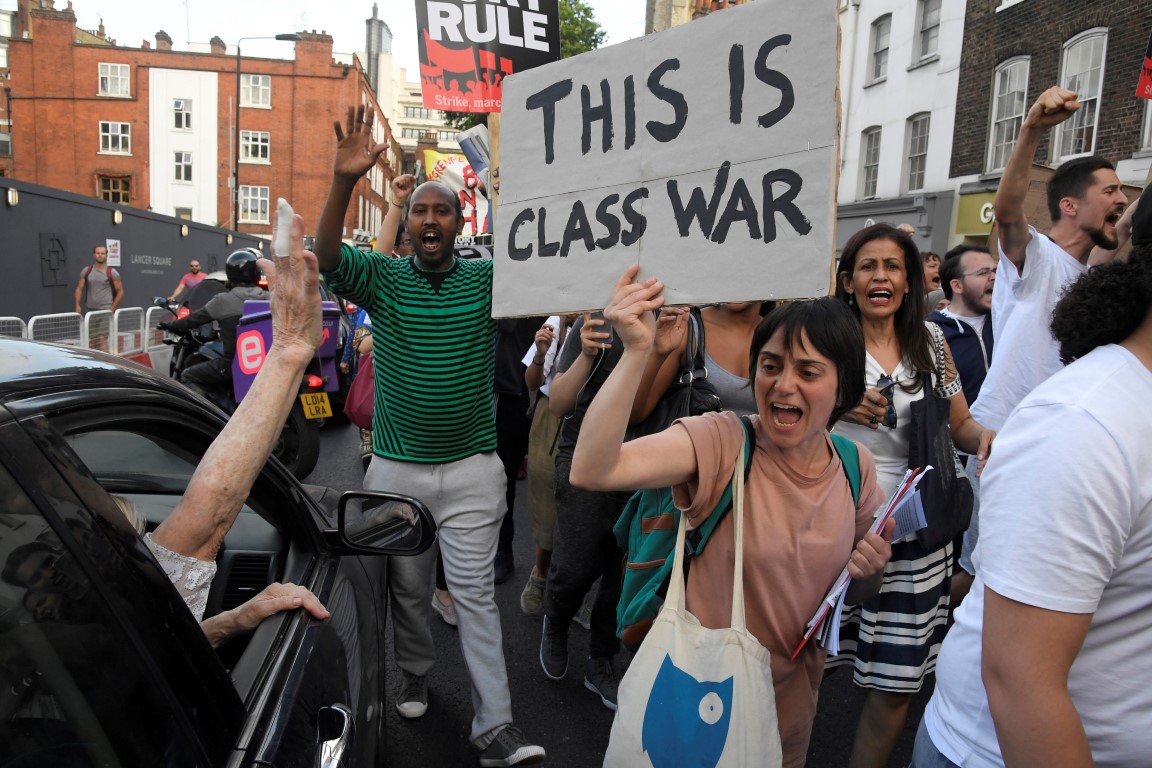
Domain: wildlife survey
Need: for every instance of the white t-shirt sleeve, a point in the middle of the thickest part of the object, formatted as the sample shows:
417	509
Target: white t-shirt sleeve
1053	523
549	356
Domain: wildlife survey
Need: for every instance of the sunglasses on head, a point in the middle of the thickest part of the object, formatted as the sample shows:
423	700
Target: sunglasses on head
887	388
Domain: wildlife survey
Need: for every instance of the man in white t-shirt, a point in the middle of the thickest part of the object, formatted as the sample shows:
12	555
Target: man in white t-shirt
1086	204
1049	660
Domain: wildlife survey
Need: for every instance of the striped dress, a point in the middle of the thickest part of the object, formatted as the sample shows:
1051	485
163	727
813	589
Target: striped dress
892	640
434	353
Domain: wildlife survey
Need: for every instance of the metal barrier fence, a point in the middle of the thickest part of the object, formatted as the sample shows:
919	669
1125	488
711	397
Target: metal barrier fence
13	327
153	336
64	328
128	331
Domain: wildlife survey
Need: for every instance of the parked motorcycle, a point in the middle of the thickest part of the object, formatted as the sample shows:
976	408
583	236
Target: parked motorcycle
298	446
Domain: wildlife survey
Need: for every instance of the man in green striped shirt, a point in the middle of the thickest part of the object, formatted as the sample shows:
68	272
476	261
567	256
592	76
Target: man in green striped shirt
434	430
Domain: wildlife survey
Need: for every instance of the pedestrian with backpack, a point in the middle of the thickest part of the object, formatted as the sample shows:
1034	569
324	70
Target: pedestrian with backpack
99	288
799	522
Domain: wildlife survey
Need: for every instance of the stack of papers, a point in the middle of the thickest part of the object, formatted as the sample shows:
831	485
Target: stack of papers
905	506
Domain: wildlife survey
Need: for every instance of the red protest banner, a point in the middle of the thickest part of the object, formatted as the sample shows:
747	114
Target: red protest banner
468	47
1144	87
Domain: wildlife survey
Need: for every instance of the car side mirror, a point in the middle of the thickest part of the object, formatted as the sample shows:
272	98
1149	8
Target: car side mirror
379	523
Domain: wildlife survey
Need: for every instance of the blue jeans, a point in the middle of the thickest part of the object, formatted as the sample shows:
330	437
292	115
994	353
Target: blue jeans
925	754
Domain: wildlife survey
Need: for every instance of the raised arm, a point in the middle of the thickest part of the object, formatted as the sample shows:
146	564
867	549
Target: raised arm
565	389
1053	107
221	482
402	187
355	155
663	364
602	460
534	373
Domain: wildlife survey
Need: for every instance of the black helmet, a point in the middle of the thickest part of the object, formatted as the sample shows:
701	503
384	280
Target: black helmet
241	267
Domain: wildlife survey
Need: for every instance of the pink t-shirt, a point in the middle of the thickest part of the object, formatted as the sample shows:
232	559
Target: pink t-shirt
798	534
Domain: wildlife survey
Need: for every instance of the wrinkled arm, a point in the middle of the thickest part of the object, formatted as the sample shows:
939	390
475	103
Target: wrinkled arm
273	599
221	482
1027	654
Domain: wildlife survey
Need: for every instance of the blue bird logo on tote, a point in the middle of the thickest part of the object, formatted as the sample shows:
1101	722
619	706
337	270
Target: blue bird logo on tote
686	721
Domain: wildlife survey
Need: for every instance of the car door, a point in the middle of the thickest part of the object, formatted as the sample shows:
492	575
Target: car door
298	682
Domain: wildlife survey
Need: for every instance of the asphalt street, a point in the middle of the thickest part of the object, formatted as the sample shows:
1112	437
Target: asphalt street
569	721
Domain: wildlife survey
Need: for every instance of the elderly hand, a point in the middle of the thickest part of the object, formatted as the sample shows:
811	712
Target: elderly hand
273	599
872	553
294	282
356	152
631	306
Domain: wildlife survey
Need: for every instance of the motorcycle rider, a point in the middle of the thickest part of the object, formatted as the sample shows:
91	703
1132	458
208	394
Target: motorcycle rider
226	309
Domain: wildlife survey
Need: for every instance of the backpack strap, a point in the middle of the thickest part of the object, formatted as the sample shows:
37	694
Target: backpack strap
849	454
698	537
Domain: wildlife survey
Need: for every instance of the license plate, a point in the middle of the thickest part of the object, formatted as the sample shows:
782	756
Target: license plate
316	405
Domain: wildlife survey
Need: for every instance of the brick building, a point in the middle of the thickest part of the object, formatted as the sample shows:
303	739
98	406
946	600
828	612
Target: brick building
154	128
1013	51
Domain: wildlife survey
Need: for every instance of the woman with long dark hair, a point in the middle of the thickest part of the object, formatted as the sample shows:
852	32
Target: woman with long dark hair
893	639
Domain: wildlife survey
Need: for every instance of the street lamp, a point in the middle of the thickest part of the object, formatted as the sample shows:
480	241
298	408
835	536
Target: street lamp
236	128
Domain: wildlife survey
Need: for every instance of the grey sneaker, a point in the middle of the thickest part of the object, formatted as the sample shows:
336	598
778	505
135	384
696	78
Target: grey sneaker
511	747
532	598
554	651
583	616
413	701
600	678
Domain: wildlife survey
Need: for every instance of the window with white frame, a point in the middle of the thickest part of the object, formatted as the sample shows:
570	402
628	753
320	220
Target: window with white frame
5	137
254	205
1082	71
3	54
256	91
182	114
1009	105
881	36
928	40
869	161
115	138
7	23
183	166
916	151
1146	134
255	146
114	80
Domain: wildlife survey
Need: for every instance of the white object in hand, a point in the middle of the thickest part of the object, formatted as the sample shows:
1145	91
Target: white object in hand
282	244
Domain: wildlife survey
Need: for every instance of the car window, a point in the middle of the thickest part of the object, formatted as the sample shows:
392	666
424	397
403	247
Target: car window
73	690
136	460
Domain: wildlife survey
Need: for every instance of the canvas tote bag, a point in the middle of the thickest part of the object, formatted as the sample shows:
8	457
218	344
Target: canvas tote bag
695	696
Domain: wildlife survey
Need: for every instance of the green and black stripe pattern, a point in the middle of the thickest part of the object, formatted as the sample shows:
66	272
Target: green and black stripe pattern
434	355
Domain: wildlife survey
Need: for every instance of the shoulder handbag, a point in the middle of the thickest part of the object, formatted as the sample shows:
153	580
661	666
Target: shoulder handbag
945	492
690	394
359	405
697	696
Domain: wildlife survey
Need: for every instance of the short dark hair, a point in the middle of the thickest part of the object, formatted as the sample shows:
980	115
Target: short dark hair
952	267
1104	306
910	331
832	331
927	256
1072	180
400	233
18	556
446	189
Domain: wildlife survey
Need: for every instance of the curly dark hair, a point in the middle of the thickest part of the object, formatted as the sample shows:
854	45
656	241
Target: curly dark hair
1104	306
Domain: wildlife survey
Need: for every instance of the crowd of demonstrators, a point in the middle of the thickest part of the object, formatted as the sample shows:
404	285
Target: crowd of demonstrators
808	358
189	280
584	546
1087	208
967	278
434	431
226	309
892	639
99	289
1047	661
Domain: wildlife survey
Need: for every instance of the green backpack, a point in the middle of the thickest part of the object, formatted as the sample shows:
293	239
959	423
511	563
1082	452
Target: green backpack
646	531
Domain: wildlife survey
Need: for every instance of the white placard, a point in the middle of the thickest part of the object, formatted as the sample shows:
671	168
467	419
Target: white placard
113	247
707	154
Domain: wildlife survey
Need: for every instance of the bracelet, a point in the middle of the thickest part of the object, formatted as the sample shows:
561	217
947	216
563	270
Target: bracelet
537	362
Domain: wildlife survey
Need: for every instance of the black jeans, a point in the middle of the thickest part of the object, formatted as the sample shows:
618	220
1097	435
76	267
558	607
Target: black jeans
512	427
585	549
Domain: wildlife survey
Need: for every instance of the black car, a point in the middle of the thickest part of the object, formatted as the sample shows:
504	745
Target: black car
101	662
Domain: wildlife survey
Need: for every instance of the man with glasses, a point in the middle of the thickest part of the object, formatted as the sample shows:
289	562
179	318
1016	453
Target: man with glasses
967	278
190	280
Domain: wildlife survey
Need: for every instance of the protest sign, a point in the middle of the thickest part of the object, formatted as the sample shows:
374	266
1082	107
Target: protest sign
707	154
468	47
455	171
1144	85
